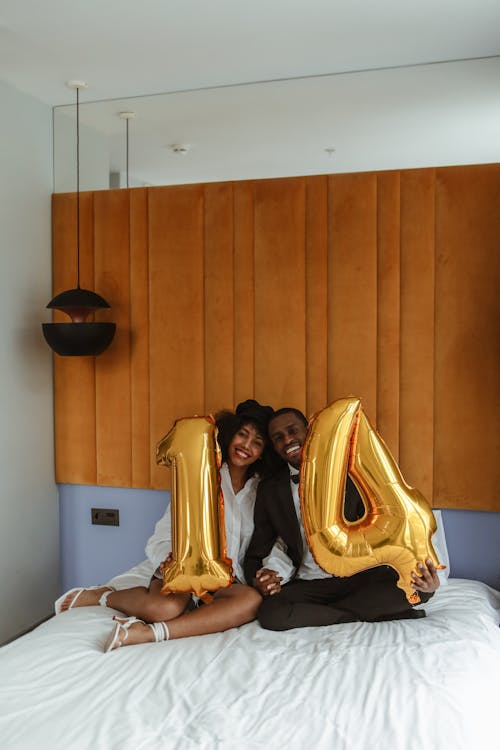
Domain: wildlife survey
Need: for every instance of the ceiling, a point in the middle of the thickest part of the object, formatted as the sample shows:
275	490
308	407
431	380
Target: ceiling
379	82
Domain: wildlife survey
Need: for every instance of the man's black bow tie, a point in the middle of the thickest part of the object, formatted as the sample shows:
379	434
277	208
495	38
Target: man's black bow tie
295	478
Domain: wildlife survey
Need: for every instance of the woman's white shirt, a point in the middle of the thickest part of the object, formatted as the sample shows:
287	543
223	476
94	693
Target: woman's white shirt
238	517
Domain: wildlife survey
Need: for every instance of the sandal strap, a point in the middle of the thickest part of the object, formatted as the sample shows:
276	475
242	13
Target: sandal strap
119	634
160	631
125	624
104	597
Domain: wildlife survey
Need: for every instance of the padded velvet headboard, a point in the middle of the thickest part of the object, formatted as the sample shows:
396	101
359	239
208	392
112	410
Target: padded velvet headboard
295	291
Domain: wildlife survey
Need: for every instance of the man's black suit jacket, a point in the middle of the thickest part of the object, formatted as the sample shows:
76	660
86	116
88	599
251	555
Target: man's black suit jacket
275	517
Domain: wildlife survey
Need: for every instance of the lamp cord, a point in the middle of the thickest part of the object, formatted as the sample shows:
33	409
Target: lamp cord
78	184
127	152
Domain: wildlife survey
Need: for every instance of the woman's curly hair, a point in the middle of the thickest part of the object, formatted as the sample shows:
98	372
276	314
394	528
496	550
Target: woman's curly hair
229	423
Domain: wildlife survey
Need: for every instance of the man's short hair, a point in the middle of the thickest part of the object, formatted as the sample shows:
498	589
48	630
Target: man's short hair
292	409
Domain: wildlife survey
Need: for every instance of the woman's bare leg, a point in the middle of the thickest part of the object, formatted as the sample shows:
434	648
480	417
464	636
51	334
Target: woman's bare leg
145	603
229	608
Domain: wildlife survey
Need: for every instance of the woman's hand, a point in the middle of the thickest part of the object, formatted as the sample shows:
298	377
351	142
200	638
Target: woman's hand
267	582
166	562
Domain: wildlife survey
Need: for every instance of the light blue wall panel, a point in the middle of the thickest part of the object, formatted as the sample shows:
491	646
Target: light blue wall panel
473	541
94	554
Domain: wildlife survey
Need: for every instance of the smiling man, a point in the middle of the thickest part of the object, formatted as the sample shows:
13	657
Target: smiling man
311	596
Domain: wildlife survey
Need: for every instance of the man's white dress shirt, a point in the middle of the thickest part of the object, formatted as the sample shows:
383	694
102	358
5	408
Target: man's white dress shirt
309	568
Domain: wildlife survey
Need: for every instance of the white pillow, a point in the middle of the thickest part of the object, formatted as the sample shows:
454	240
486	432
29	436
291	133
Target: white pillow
439	543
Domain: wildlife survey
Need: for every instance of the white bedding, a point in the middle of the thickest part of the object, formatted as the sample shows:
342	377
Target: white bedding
428	684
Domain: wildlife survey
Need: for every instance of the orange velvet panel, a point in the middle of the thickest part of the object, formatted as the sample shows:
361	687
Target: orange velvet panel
176	311
467	363
280	292
244	291
416	397
352	289
316	293
294	291
74	377
112	380
139	340
388	308
219	297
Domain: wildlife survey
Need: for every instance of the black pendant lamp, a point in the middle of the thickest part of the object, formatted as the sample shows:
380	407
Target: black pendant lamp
78	338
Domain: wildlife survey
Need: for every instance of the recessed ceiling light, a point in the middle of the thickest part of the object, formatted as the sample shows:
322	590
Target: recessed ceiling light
179	148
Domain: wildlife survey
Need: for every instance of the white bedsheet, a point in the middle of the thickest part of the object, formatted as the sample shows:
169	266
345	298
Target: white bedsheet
429	684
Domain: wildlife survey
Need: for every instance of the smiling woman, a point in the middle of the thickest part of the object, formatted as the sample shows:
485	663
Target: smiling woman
150	615
243	441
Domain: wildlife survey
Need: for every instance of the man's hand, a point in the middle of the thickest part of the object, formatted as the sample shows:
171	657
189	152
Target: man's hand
427	580
267	582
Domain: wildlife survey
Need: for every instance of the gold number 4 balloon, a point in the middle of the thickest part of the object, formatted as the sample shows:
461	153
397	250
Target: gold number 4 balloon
199	563
398	523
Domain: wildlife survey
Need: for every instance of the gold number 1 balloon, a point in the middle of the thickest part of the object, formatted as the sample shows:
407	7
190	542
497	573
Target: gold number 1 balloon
398	523
199	563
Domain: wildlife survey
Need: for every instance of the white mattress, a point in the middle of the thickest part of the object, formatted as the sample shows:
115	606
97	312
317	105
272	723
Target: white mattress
429	684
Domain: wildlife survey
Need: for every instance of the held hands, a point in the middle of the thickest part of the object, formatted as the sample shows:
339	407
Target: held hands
426	580
267	582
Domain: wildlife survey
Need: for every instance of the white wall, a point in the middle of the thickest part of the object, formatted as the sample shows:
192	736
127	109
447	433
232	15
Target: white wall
94	155
29	527
400	118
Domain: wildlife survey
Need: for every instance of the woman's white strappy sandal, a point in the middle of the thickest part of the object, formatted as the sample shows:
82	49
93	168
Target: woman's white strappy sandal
160	632
78	591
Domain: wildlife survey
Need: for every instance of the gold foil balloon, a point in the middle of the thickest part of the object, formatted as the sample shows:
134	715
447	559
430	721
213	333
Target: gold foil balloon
398	523
199	563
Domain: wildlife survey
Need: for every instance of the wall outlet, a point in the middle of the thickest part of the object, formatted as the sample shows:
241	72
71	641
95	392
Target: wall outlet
105	516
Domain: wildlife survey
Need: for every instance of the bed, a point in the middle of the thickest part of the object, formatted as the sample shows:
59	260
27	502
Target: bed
425	684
